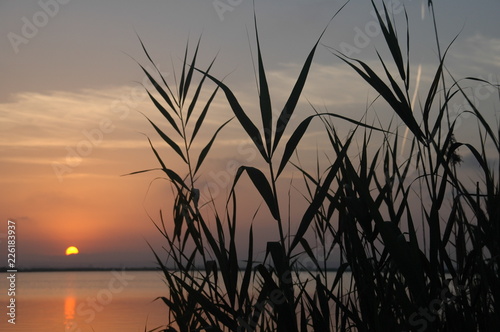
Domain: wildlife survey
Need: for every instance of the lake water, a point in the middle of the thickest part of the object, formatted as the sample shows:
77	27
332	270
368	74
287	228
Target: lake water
102	301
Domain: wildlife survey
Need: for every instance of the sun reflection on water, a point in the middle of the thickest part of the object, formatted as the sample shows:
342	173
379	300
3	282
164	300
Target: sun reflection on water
69	311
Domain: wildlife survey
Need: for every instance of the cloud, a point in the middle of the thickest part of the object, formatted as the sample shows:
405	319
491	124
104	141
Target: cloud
47	117
479	52
326	84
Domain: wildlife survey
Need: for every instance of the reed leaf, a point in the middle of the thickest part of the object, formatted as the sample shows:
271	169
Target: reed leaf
291	103
319	197
165	113
478	114
206	149
262	185
244	120
245	282
391	39
168	140
159	89
401	108
196	95
294	140
187	83
164	95
264	97
181	95
202	116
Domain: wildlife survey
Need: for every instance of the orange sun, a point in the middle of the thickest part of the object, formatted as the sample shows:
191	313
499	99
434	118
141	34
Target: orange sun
72	251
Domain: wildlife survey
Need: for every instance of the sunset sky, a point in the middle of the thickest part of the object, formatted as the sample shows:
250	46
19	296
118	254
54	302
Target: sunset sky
70	97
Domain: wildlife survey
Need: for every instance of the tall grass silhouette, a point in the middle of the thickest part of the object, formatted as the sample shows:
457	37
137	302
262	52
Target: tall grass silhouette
404	266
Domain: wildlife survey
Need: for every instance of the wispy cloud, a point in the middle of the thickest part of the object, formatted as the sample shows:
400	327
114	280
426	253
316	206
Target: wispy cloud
479	52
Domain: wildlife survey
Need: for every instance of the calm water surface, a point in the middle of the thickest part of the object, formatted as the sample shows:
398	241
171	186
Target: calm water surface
85	301
107	301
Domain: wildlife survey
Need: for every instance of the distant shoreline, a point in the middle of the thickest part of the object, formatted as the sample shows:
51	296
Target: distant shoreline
105	269
86	269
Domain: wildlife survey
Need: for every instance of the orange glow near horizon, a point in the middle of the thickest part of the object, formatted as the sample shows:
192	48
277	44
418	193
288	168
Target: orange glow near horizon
72	251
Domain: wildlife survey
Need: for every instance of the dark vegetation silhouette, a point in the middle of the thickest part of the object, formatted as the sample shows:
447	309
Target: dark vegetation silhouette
430	267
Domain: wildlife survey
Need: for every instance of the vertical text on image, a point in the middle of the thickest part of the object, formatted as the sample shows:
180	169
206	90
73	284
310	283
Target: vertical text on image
11	271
